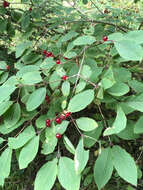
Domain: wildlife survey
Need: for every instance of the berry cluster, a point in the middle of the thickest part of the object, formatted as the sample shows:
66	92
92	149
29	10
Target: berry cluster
48	54
58	121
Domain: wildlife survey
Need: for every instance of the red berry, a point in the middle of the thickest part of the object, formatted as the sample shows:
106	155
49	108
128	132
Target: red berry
30	9
58	136
6	4
49	54
62	117
66	58
44	52
47	98
48	122
7	67
58	62
64	77
105	38
58	120
67	114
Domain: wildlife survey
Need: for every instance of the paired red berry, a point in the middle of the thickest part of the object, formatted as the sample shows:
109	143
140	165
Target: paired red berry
47	98
48	123
105	38
58	120
67	114
30	9
66	58
7	67
49	54
6	4
62	117
58	136
64	77
58	62
44	52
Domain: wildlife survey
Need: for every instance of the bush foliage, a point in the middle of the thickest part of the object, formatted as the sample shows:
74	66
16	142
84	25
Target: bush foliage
71	95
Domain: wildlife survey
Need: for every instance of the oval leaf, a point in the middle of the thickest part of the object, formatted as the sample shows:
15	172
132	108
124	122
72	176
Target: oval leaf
78	102
28	152
67	175
36	99
125	165
46	176
86	124
103	168
81	157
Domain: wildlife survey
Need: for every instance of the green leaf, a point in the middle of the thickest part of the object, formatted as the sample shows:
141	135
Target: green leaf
22	138
86	124
80	86
6	91
136	102
128	132
108	79
129	49
48	63
103	168
12	116
5	163
84	40
139	126
119	123
50	143
46	176
67	175
118	89
136	86
30	79
78	103
61	128
91	137
125	165
28	152
69	36
69	145
70	54
136	35
36	99
81	157
20	48
86	71
4	106
40	122
1	140
65	88
54	80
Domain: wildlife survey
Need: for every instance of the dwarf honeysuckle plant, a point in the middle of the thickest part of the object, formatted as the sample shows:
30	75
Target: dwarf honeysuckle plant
70	89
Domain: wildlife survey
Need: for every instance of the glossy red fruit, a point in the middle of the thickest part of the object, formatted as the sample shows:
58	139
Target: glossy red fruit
62	117
58	136
30	9
44	52
49	54
48	123
66	58
64	77
47	98
7	67
67	114
105	38
58	62
6	4
58	120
